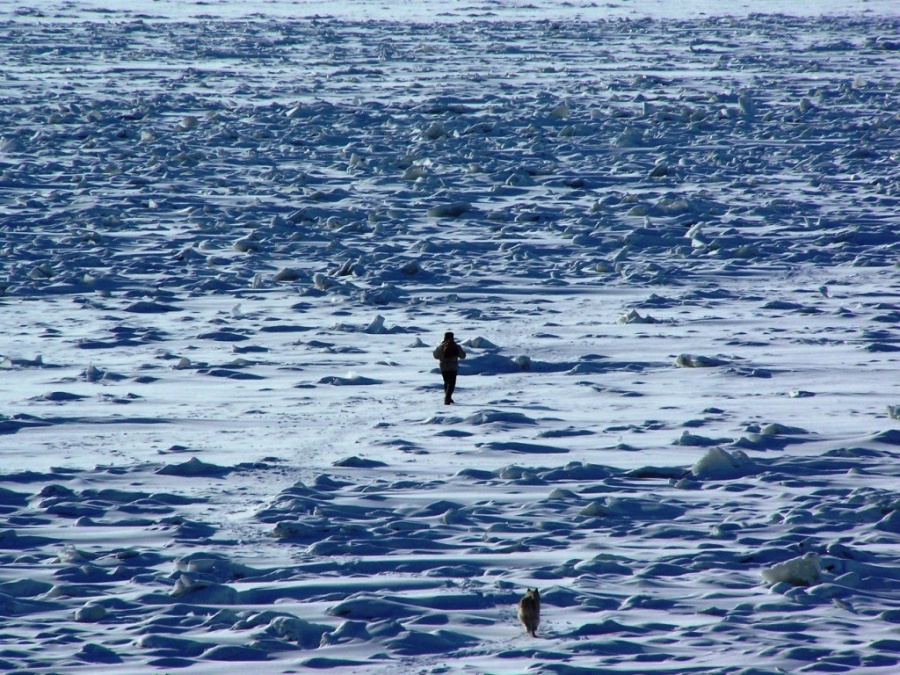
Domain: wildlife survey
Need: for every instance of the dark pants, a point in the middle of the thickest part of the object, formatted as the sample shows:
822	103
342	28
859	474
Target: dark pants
449	384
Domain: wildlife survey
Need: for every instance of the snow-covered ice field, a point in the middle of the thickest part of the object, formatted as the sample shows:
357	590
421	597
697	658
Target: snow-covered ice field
667	235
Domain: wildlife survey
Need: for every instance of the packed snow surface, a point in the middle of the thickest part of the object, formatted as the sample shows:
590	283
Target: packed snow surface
666	234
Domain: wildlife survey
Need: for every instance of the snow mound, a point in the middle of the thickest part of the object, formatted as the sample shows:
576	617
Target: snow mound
719	464
635	317
803	571
694	361
349	380
500	417
193	467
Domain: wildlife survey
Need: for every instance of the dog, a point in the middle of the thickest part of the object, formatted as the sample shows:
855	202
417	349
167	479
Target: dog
530	611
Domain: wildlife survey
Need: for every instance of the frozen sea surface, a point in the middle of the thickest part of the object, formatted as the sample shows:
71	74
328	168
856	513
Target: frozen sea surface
666	234
429	11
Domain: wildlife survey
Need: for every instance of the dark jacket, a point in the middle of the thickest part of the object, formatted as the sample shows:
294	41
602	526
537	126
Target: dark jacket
449	354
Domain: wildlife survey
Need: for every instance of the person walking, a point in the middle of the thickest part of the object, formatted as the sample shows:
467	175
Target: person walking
449	353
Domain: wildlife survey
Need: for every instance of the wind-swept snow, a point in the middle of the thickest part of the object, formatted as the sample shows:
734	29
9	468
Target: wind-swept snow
668	241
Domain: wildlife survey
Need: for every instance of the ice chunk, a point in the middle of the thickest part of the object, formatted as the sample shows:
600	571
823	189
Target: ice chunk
449	210
721	464
90	613
635	317
803	571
